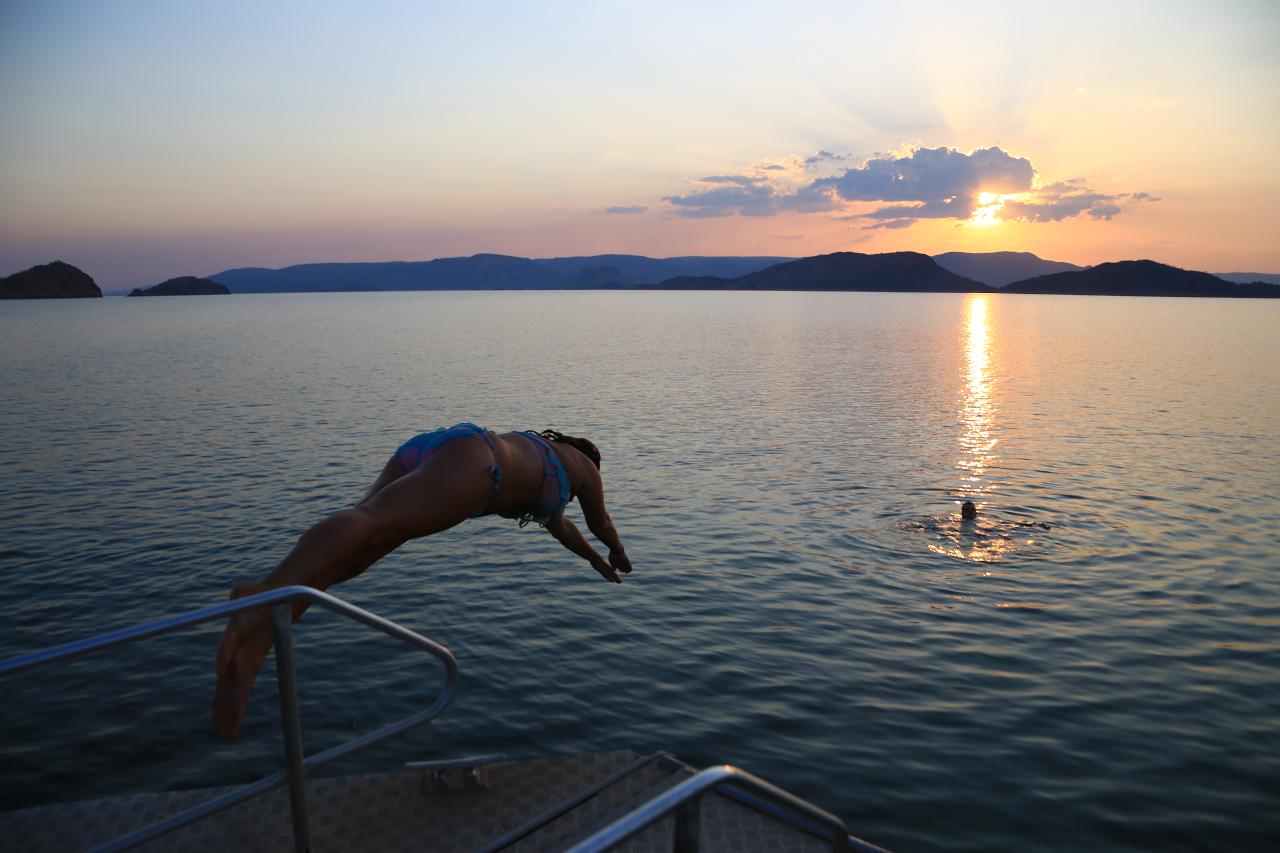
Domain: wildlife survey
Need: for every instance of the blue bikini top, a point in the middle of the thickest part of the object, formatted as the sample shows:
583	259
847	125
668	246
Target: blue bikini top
554	495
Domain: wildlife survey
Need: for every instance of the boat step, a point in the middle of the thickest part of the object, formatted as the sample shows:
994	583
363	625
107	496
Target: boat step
587	819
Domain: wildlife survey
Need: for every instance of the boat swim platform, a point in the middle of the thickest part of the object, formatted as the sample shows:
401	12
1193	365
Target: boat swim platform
538	804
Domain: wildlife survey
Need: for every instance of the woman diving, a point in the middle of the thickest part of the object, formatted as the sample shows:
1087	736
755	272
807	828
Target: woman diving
434	481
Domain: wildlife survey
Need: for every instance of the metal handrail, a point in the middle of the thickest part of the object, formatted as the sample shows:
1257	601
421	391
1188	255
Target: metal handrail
559	810
689	795
281	613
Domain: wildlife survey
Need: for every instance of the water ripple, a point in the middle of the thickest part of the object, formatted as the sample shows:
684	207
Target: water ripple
1090	664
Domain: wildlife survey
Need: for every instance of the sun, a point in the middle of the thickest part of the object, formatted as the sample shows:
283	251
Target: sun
986	213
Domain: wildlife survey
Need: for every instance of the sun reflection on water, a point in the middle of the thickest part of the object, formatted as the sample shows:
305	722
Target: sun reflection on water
975	540
977	409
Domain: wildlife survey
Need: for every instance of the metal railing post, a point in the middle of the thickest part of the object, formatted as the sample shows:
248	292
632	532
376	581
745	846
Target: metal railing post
688	826
679	798
282	627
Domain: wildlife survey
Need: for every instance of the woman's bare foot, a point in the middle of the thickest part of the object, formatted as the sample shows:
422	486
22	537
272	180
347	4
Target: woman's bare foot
244	648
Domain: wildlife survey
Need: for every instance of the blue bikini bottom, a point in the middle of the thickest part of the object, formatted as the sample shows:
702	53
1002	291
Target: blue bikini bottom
413	452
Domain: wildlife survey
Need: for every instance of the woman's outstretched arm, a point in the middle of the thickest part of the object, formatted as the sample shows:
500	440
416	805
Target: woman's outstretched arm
568	535
591	498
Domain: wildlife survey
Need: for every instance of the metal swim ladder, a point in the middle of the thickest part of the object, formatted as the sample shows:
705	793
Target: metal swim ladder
685	799
660	786
280	609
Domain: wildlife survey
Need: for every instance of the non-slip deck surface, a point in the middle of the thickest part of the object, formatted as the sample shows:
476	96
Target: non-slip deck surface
398	811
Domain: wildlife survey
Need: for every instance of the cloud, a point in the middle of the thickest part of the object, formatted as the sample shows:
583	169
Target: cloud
952	207
810	199
825	157
898	189
944	183
756	199
933	176
1065	199
749	195
634	208
739	180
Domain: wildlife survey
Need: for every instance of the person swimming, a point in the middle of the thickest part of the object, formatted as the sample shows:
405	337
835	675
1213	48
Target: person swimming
433	481
968	512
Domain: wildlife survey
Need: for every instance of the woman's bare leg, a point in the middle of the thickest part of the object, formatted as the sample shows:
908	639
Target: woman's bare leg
442	492
391	472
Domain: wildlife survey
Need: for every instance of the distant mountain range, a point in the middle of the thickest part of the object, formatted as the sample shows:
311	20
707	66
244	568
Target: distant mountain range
1249	277
484	272
895	271
489	272
950	272
996	269
614	270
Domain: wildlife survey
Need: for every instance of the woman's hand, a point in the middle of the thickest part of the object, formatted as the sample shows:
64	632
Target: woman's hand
605	570
566	533
618	559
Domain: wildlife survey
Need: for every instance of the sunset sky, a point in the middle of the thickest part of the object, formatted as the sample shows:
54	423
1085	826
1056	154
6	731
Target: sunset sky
144	140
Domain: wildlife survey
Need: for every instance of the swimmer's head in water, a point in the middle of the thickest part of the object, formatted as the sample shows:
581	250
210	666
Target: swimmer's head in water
968	511
587	448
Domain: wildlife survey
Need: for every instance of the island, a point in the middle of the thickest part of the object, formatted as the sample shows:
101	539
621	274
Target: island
902	272
1141	278
56	280
186	285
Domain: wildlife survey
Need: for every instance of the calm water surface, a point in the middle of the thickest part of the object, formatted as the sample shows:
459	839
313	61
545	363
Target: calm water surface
1094	663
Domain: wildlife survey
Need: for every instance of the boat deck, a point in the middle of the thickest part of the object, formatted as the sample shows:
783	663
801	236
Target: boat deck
407	810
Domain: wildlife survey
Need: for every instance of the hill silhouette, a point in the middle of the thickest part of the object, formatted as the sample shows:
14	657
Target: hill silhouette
187	285
1140	278
630	270
55	280
479	272
891	271
996	269
483	272
903	272
1250	277
894	271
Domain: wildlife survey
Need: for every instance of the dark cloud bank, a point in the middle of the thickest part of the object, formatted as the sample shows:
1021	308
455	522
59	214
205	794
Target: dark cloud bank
928	183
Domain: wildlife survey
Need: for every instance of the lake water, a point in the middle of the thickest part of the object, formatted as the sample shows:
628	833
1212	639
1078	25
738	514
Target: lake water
1094	664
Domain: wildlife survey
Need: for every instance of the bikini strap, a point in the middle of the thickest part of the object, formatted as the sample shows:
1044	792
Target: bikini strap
483	433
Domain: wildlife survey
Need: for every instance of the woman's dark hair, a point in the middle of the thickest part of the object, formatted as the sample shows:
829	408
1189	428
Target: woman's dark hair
587	448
